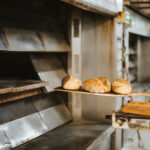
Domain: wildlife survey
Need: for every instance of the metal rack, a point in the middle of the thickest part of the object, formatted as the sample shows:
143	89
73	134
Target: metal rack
130	121
133	58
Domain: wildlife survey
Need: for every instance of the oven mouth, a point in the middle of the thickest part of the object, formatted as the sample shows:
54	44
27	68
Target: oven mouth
16	66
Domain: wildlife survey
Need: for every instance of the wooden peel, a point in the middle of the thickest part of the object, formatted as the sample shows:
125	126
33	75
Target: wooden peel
140	108
111	94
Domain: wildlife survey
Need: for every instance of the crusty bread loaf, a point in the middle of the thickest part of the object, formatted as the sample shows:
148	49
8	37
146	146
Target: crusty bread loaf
71	83
92	85
121	86
139	108
106	86
97	85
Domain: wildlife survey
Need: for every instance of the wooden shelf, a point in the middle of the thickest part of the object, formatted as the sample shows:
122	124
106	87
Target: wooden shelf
4	89
103	94
14	86
11	90
19	95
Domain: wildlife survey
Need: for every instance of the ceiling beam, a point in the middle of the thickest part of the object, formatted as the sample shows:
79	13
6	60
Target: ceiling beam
140	5
144	7
139	1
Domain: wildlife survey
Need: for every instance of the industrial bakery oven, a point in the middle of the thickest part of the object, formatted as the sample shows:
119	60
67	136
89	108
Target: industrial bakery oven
41	42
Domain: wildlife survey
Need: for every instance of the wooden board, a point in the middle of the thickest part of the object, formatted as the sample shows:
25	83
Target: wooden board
15	96
4	89
14	86
28	85
103	94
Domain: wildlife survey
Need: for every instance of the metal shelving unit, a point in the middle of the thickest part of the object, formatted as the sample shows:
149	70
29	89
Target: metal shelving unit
133	57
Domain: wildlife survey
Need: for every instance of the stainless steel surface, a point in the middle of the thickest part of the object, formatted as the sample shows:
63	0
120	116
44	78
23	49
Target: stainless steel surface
30	40
73	137
4	142
50	69
15	110
55	116
74	65
99	58
29	127
42	102
22	40
110	7
24	129
54	42
131	140
103	141
54	78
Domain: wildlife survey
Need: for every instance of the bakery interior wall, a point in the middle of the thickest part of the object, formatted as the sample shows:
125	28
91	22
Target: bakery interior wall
101	56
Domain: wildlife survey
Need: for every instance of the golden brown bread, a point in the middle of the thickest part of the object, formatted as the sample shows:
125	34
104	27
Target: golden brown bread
106	84
97	85
121	86
71	83
139	108
92	85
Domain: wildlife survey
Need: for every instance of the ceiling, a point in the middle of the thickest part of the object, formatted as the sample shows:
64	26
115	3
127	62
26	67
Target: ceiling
141	6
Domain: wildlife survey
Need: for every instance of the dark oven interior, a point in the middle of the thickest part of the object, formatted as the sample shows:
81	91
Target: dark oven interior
34	15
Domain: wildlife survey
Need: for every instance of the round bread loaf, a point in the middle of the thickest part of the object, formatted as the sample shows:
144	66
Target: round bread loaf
101	85
121	86
92	85
71	83
106	86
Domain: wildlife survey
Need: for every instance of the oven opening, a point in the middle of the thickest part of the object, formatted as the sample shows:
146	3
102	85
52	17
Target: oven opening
16	66
139	58
31	39
18	78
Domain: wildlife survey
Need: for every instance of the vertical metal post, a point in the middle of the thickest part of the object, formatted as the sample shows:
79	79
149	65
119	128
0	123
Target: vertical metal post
75	66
